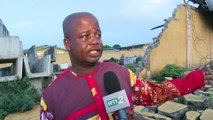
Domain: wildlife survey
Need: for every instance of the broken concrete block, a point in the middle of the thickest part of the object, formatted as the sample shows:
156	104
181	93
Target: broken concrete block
192	115
153	108
174	110
194	101
208	93
148	114
161	117
210	89
139	109
207	87
207	115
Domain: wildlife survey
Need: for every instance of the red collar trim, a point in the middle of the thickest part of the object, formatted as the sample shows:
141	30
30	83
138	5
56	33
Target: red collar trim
84	75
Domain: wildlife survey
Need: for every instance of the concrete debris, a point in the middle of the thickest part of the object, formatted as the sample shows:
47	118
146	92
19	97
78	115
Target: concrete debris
14	64
11	58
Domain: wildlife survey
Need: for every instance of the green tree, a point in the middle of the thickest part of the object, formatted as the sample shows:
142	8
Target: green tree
107	46
116	46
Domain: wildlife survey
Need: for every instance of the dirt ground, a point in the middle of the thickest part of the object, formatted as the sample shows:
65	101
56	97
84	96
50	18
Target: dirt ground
29	115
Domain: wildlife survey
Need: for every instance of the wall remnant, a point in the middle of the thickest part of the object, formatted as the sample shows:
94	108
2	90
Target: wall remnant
171	46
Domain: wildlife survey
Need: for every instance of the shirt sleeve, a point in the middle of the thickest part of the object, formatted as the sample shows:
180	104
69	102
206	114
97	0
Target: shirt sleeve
147	93
132	78
44	113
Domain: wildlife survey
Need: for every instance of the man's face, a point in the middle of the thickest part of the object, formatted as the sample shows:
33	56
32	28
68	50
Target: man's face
85	44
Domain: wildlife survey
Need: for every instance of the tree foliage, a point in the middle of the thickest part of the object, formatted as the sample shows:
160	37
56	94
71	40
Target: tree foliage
116	46
107	46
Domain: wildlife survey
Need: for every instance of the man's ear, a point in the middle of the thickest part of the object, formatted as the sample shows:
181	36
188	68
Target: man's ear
67	44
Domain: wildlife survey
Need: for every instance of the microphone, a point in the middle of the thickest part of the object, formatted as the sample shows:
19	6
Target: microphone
116	99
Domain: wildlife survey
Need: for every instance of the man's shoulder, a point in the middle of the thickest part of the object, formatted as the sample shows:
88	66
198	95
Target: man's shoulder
113	66
53	85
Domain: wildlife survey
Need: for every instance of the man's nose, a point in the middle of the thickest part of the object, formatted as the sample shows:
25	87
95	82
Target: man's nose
94	40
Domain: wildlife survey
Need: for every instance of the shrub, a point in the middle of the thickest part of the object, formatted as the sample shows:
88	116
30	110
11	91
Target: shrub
158	78
170	70
17	96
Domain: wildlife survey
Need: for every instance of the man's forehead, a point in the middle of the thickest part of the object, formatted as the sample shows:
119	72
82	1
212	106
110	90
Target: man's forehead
78	21
81	21
80	16
85	25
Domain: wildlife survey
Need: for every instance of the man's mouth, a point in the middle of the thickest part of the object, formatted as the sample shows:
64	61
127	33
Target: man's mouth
94	53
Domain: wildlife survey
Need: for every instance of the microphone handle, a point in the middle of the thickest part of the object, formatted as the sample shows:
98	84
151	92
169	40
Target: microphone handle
122	115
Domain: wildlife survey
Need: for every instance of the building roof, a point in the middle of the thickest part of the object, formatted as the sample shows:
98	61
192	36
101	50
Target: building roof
134	46
45	47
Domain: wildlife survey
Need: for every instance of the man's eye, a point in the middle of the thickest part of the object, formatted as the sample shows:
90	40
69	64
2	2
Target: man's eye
98	36
84	37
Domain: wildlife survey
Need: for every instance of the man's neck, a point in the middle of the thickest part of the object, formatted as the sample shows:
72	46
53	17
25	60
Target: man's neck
84	69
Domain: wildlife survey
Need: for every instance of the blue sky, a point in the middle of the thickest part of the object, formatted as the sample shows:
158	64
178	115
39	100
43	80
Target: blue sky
124	22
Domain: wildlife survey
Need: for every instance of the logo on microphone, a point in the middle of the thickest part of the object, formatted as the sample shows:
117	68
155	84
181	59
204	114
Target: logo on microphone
115	101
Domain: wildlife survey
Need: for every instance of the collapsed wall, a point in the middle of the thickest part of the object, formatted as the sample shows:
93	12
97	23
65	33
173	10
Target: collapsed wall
186	40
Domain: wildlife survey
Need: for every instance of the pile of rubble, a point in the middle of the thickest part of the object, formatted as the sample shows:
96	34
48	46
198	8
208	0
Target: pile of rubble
198	105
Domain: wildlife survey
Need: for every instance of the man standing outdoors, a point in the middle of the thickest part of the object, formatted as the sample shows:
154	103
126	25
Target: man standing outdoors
78	92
